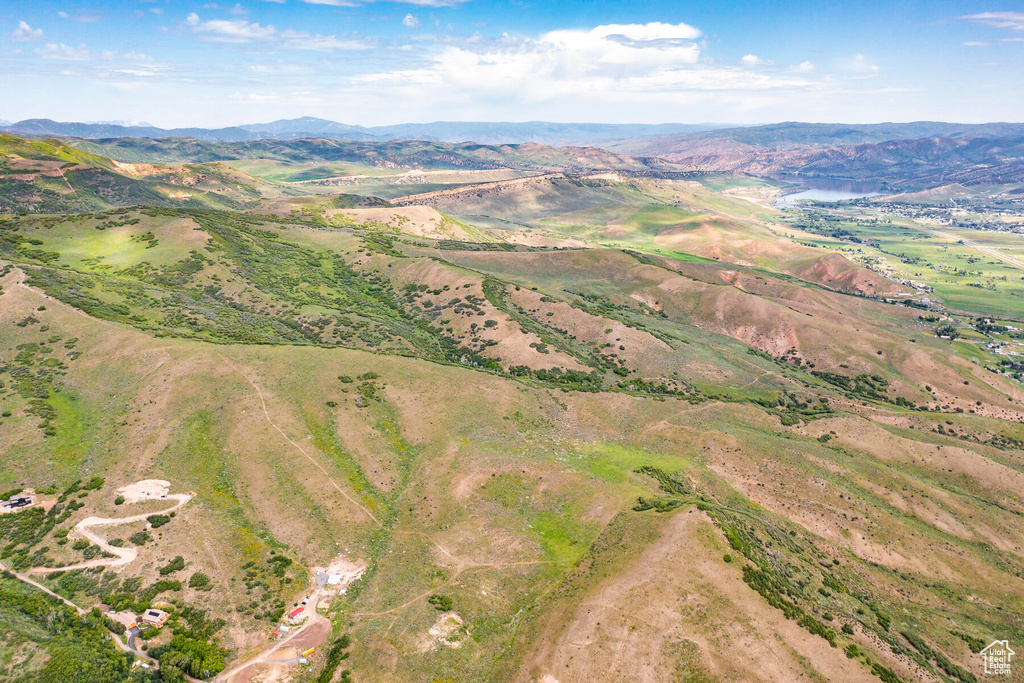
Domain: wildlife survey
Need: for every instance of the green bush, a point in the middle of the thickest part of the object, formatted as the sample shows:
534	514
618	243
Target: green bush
883	620
199	581
886	675
157	521
119	500
976	644
441	603
140	538
334	658
818	629
175	565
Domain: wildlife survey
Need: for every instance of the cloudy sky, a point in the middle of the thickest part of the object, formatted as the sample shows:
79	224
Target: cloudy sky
191	63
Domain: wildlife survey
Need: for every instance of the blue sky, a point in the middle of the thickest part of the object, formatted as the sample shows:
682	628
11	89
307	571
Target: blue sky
184	63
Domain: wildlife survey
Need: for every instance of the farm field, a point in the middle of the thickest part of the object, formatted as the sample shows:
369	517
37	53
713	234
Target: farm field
972	271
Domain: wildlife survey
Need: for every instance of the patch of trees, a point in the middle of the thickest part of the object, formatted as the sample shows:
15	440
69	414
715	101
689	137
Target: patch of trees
78	648
335	655
940	659
191	651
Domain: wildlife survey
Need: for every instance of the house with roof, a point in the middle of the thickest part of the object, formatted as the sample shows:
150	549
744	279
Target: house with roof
296	615
154	617
997	657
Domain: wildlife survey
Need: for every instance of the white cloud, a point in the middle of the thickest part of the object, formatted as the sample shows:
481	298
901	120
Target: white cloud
1009	21
299	40
82	16
861	66
25	33
64	52
976	43
230	30
754	60
803	68
238	10
240	31
410	21
610	64
623	45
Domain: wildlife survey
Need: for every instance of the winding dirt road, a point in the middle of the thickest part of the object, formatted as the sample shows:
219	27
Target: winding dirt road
122	556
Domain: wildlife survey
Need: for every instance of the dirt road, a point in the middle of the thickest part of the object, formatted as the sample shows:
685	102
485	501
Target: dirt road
123	556
313	633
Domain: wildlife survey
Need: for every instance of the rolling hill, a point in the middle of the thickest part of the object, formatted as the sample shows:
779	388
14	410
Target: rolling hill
554	420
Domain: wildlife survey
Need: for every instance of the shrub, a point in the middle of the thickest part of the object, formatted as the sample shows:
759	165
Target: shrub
976	644
851	651
177	564
886	675
334	658
140	538
818	629
199	581
727	558
883	620
442	603
847	629
80	544
157	521
119	500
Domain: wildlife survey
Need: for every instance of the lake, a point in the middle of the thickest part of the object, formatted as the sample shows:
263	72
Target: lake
829	189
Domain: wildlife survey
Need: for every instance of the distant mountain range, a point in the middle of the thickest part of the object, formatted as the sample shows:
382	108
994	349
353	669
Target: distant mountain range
920	162
908	155
633	139
795	135
559	134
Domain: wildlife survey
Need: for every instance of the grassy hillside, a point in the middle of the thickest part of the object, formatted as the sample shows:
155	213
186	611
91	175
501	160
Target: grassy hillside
52	177
644	421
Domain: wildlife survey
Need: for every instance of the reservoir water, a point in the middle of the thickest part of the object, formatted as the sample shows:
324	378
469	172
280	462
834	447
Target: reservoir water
829	189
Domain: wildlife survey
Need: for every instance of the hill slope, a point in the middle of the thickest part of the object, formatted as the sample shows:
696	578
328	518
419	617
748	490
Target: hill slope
537	429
